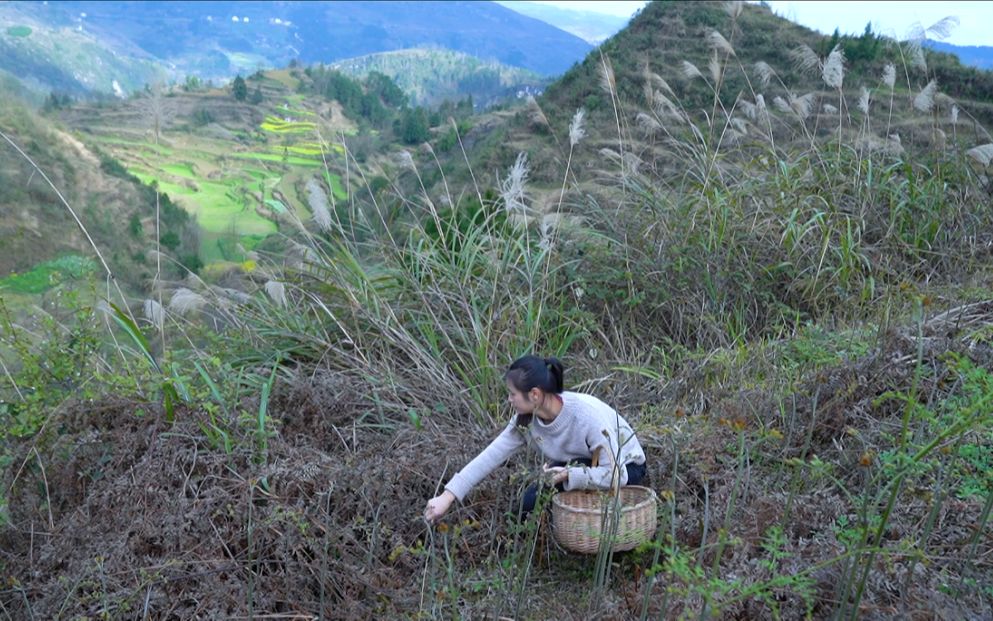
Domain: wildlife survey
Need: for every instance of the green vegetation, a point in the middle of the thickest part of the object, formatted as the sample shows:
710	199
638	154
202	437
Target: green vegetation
794	310
44	276
427	77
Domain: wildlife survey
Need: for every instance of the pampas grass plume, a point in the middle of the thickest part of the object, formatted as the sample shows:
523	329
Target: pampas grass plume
690	70
276	291
924	102
512	188
889	75
864	97
318	202
154	313
185	301
982	154
833	71
576	130
718	43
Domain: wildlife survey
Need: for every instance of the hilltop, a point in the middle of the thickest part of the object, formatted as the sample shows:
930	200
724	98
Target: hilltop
770	251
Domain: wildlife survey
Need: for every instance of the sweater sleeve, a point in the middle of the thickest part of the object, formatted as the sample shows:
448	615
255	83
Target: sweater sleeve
501	448
600	477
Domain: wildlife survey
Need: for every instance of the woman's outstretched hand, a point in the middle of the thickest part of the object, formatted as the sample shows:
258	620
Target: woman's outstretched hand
438	506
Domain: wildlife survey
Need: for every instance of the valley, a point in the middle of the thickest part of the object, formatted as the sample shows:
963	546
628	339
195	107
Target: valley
249	328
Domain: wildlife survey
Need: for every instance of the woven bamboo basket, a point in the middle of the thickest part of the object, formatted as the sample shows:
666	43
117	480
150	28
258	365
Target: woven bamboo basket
580	517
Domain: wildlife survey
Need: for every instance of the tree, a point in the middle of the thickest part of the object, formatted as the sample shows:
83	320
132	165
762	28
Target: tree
413	126
256	97
239	89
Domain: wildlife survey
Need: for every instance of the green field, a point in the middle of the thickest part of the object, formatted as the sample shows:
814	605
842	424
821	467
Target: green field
232	191
44	276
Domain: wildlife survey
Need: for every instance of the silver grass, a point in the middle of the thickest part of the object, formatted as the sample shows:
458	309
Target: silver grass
656	81
982	154
943	27
276	291
512	188
833	72
664	107
185	301
939	137
233	295
864	96
765	72
804	58
648	123
802	105
318	202
953	115
154	313
924	101
535	113
406	160
740	125
915	38
690	70
714	66
760	101
576	130
780	104
829	109
718	43
607	80
750	109
734	8
889	75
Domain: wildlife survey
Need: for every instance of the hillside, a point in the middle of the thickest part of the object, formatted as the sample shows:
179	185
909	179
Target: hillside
769	251
42	243
672	41
431	76
132	42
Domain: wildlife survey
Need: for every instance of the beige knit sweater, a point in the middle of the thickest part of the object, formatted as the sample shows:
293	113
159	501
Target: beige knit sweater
584	425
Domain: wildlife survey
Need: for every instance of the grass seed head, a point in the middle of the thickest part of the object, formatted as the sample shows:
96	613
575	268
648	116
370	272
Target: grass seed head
154	313
576	130
833	71
924	101
889	75
185	301
276	291
982	154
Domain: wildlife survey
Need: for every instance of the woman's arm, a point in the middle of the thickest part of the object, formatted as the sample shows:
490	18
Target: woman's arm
501	448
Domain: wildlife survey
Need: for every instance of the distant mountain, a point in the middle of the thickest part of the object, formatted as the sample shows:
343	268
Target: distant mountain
978	56
588	25
84	45
431	76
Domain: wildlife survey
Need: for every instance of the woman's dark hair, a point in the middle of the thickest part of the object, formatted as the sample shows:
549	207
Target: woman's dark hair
529	372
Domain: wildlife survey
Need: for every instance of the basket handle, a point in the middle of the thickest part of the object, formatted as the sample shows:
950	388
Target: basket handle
614	475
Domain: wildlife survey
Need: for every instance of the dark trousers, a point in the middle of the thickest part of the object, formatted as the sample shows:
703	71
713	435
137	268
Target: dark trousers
636	474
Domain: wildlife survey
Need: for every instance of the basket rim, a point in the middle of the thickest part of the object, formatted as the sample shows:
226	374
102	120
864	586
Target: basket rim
651	498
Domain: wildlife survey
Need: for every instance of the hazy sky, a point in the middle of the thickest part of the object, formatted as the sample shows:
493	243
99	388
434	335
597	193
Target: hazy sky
890	18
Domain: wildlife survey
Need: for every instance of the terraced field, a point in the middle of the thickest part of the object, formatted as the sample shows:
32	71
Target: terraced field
239	191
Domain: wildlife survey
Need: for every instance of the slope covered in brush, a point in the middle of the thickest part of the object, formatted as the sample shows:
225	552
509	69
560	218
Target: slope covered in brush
431	76
41	241
666	35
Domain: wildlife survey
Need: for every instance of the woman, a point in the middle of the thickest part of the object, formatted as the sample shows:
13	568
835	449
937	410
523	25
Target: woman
570	428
